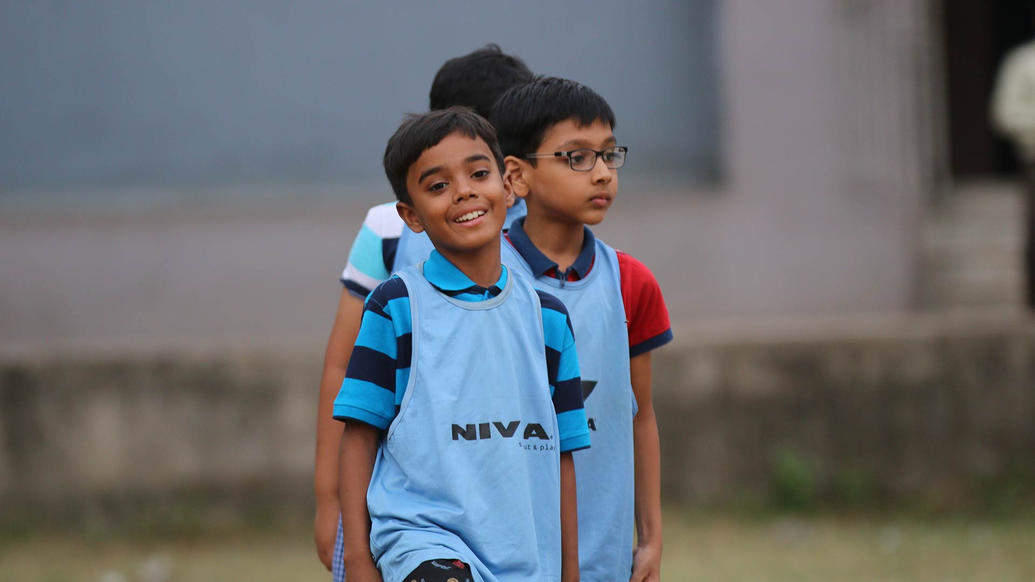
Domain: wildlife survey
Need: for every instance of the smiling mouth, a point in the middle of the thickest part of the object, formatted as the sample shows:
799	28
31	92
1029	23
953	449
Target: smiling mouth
469	216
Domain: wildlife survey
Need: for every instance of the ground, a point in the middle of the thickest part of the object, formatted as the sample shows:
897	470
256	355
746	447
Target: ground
698	546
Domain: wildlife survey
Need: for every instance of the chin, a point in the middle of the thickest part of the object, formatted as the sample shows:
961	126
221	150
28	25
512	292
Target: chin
479	241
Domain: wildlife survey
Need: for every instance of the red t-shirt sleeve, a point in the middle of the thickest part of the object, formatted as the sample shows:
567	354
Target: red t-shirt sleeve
645	312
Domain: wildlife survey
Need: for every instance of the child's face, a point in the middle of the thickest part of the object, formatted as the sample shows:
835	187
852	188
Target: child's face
553	190
458	195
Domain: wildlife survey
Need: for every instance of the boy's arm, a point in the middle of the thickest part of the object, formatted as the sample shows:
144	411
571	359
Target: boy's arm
328	430
359	443
366	404
569	521
364	270
647	452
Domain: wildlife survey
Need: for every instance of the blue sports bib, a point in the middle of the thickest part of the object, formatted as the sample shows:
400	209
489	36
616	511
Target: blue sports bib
605	473
470	467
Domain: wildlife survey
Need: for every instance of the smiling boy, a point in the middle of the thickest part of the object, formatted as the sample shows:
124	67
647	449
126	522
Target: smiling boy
462	401
562	158
382	246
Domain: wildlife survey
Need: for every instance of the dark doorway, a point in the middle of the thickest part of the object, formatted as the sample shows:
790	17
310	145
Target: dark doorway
977	36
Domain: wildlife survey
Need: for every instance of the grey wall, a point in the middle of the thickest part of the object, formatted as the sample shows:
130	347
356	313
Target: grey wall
828	144
936	412
136	93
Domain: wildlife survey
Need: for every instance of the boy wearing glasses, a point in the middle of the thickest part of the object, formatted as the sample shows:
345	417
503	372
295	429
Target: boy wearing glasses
563	159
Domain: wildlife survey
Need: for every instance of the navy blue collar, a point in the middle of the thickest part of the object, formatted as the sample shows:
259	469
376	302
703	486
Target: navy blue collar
447	278
544	265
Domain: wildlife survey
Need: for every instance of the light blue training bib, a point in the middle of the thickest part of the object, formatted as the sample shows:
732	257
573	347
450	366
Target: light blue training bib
605	473
470	467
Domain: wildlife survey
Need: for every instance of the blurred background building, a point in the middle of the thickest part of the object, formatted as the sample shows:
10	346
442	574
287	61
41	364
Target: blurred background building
814	150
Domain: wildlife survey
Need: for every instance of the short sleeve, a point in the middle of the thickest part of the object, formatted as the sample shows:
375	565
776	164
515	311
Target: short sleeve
373	250
380	358
562	367
645	309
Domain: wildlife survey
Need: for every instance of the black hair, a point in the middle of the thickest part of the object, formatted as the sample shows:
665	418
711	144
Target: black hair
422	131
477	79
524	113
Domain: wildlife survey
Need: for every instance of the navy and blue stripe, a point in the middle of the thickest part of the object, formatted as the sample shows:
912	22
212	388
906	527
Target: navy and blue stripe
562	368
473	293
370	392
651	344
389	246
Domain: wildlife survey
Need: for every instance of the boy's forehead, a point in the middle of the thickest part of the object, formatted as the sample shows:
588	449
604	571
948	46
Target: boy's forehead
455	148
573	131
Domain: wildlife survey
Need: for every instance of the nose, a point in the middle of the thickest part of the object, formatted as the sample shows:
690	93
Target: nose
465	188
600	172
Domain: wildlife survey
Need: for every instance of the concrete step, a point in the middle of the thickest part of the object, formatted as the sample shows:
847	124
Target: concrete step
972	248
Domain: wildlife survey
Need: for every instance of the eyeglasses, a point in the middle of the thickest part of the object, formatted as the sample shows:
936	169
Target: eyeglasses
584	159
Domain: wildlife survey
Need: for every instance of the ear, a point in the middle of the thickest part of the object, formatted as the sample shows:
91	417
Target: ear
516	176
409	215
508	188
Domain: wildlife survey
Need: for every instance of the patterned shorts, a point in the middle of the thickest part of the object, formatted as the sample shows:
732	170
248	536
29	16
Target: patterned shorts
338	562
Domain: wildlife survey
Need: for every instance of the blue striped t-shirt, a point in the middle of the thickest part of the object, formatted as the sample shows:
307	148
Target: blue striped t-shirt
379	368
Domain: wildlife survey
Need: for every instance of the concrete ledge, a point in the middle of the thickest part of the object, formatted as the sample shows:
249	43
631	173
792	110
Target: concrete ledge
932	410
150	425
920	409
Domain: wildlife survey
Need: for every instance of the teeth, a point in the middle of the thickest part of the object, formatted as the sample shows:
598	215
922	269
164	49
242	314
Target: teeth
470	216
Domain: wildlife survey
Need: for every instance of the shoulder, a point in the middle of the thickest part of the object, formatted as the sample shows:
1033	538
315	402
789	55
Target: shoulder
383	220
387	291
370	258
633	268
645	311
638	282
391	288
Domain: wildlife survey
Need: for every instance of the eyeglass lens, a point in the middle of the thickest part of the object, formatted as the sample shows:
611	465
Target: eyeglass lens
584	159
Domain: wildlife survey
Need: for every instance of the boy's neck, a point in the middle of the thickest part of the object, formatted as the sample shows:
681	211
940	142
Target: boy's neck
560	241
481	266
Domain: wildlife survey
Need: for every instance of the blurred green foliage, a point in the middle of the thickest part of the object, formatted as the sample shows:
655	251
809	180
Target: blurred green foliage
793	484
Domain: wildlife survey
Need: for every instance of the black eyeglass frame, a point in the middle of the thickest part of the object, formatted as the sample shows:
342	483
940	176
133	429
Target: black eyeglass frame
597	154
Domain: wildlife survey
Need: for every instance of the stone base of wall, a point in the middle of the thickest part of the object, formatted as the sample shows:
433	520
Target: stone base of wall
939	411
112	436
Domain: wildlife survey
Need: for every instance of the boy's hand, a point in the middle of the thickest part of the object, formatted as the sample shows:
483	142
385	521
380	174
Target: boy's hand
325	528
646	564
328	430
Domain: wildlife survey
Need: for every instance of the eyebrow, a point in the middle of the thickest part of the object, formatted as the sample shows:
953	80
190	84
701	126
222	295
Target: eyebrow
435	169
427	173
476	158
581	143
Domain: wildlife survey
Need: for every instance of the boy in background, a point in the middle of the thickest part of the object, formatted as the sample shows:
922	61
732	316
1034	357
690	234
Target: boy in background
562	159
381	247
462	401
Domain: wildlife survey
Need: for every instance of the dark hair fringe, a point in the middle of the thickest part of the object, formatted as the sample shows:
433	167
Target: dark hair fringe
422	131
522	115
